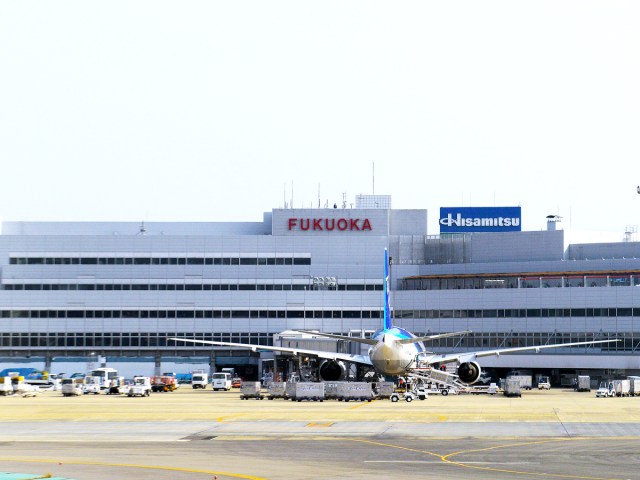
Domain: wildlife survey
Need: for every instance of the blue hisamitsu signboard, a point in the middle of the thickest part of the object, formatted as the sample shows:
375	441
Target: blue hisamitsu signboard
480	219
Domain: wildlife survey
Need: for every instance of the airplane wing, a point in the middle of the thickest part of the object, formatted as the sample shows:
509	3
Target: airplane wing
470	356
367	341
370	341
405	341
360	359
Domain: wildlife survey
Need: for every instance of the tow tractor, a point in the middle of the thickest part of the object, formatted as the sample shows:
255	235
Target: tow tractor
417	380
141	387
411	391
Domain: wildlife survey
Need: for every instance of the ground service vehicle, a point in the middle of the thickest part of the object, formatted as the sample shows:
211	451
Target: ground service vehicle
583	383
605	390
221	381
543	383
421	393
163	383
199	380
5	386
71	387
141	387
91	385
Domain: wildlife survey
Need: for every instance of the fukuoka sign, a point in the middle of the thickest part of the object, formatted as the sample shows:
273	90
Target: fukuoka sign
329	224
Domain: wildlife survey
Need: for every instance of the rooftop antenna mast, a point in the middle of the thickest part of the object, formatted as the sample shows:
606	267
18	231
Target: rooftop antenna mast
284	195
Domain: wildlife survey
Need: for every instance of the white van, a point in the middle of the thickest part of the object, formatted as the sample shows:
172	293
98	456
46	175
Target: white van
221	381
199	380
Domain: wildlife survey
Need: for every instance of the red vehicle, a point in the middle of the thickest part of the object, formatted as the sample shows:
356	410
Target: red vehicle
236	382
163	383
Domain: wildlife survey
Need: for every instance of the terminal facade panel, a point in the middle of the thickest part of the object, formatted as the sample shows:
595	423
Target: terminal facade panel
121	289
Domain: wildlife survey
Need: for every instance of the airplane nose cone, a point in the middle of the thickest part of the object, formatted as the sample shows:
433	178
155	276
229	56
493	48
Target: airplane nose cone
389	359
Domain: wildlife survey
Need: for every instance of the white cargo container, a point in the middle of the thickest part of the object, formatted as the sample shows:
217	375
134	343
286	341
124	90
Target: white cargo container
359	391
331	389
523	380
634	385
512	387
307	391
621	388
277	390
251	390
583	383
384	389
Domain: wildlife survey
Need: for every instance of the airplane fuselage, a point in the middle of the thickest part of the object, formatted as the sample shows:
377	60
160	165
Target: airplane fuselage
388	356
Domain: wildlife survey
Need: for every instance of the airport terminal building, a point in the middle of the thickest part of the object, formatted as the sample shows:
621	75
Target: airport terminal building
119	290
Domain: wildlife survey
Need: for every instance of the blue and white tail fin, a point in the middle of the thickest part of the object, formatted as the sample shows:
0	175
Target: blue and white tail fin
387	310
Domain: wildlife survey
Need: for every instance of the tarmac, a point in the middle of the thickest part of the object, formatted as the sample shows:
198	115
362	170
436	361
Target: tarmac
201	434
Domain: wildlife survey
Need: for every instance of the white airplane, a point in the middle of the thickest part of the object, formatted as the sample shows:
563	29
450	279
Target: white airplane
393	350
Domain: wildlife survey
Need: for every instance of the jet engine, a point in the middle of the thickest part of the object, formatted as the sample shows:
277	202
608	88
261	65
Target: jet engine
332	371
469	372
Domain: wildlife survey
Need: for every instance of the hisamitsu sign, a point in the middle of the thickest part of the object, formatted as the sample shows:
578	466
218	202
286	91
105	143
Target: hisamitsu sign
480	219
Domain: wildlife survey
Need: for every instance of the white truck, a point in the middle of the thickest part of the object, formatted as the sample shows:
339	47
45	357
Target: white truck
141	387
221	381
106	376
199	379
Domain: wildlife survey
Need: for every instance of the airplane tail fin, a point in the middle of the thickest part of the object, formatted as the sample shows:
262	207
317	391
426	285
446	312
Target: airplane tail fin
387	309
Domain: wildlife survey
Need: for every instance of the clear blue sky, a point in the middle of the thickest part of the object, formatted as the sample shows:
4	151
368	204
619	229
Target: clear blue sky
205	111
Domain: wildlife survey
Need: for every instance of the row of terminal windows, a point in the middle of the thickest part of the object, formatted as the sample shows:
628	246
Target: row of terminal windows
520	313
196	287
116	340
190	314
628	342
159	261
603	279
398	314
